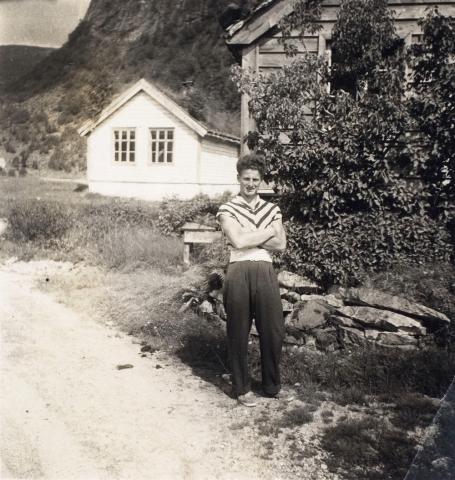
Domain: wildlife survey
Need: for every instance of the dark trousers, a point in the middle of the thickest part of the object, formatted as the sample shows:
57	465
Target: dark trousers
251	291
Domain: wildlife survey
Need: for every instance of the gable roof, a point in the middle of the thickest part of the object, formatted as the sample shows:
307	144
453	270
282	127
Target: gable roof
162	99
269	13
264	17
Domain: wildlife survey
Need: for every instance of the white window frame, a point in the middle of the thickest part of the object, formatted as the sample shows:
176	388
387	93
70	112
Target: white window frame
167	150
118	151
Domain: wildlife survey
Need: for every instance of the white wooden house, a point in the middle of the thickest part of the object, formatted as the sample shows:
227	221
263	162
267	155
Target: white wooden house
144	145
255	40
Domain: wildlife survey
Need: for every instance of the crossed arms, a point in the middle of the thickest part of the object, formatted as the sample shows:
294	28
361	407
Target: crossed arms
272	238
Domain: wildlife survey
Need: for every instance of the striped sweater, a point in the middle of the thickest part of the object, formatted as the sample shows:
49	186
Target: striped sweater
250	217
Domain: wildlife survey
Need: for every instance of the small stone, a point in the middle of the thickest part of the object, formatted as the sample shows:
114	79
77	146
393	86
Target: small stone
205	307
352	336
309	315
124	366
287	306
344	321
292	297
158	366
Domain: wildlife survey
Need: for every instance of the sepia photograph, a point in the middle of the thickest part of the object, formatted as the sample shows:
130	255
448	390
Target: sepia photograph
227	233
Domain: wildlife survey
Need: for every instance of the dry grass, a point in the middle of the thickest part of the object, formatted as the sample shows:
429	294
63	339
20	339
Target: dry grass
132	248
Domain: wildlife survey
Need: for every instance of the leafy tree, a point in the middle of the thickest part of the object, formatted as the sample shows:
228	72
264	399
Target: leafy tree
335	144
432	107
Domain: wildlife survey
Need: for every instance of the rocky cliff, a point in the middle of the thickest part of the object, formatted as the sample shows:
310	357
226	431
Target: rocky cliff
178	45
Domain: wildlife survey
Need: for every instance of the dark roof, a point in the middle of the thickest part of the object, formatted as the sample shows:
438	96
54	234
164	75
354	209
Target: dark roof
262	7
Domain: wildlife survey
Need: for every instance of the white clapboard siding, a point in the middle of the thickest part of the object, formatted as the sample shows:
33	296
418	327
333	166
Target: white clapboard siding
202	162
218	163
142	113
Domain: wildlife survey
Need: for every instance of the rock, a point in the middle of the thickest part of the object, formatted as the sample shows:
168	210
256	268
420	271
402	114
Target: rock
345	321
292	297
378	299
310	341
383	319
123	367
148	348
326	339
331	299
351	336
287	306
283	291
205	307
293	340
395	339
297	283
309	315
371	334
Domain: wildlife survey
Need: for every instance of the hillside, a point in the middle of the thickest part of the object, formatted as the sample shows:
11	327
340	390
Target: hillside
17	60
174	44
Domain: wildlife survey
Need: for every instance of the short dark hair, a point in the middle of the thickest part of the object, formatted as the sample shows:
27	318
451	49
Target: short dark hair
252	161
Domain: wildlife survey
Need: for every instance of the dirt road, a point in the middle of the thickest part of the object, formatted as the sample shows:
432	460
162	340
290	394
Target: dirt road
68	413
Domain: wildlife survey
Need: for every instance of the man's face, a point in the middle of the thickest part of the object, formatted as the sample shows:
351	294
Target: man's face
249	181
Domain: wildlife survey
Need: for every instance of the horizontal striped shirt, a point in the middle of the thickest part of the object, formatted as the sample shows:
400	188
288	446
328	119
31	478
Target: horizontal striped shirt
251	217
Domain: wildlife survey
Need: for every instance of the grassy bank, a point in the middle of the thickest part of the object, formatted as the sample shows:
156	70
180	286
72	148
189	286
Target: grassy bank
366	410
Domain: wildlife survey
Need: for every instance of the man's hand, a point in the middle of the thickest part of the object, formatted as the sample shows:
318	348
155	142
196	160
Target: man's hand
278	242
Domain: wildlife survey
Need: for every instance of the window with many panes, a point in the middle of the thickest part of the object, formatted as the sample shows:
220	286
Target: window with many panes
162	143
124	145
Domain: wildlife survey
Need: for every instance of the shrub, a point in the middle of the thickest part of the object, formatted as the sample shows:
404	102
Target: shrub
20	116
30	220
58	161
120	213
348	194
9	147
364	242
174	213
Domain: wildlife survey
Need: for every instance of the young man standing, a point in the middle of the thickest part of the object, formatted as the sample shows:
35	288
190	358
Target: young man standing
253	228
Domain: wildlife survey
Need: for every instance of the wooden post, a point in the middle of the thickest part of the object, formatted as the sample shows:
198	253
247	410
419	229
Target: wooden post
186	253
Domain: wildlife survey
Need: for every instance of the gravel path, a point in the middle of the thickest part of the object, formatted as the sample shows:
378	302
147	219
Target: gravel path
68	412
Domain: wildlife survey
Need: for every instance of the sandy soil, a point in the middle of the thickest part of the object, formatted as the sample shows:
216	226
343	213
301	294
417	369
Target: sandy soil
68	413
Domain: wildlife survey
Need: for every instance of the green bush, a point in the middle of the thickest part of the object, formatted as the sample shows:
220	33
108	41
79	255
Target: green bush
31	220
364	243
20	116
120	213
58	161
174	213
357	191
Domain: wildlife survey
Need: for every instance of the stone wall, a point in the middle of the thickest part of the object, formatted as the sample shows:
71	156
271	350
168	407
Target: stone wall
345	318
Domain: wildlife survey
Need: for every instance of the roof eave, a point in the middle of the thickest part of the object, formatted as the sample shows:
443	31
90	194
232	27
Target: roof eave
160	97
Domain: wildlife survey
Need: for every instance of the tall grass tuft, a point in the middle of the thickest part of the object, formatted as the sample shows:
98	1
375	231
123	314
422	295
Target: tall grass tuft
40	220
128	248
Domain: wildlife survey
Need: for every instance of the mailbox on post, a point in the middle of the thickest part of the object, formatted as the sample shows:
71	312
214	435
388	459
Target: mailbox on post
196	233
